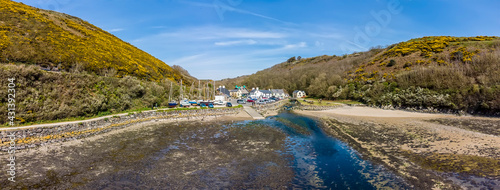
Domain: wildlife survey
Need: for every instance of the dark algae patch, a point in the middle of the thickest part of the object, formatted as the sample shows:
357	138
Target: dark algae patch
468	164
486	126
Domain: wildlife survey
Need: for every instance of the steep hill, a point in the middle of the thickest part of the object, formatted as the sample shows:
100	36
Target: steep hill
55	40
442	72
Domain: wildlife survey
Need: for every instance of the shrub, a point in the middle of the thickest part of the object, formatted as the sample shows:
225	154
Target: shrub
391	63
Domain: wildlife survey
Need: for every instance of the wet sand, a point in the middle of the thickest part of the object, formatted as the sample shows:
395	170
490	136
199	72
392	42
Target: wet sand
167	154
431	147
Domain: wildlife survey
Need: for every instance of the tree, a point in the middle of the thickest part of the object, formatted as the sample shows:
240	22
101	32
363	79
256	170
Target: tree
391	63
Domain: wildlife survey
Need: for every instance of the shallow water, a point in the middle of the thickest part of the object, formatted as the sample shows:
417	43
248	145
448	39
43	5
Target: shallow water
321	161
281	152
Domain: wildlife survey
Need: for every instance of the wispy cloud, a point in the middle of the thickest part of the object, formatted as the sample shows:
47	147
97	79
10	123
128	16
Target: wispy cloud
223	7
236	42
187	59
116	30
218	65
218	33
293	46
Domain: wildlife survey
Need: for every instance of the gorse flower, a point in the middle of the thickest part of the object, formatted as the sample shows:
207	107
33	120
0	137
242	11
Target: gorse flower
36	36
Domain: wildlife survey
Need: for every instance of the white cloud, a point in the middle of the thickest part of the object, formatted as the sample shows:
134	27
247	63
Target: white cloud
116	30
211	32
236	42
221	8
293	46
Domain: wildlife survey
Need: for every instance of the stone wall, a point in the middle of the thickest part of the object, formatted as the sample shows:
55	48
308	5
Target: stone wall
263	109
35	136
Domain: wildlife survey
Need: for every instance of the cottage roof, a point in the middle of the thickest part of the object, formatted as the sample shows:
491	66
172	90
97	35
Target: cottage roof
266	91
278	91
224	91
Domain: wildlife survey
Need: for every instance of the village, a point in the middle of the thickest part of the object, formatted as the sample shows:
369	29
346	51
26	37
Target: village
239	95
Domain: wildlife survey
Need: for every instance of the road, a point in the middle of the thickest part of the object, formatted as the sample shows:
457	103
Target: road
247	107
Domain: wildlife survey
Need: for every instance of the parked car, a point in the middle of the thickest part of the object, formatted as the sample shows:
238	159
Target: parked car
219	102
250	100
203	105
261	101
240	101
210	105
229	104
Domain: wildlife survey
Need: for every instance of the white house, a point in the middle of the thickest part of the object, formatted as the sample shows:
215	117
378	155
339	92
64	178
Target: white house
256	93
299	94
279	93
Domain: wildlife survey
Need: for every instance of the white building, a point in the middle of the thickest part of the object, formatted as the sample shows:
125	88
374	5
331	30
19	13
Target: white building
257	94
279	93
299	94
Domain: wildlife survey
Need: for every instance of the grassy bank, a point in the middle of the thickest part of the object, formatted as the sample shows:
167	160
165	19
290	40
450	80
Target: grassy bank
43	96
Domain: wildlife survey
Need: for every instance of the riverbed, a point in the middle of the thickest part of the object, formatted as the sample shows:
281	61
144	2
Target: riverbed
280	152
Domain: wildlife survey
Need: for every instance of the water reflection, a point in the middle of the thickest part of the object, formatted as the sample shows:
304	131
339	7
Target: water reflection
323	162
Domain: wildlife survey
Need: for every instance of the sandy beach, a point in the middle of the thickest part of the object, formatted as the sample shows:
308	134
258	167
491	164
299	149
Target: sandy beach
459	140
420	145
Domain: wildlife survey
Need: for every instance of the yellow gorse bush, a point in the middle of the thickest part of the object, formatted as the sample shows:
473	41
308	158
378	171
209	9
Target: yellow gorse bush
35	36
463	54
427	46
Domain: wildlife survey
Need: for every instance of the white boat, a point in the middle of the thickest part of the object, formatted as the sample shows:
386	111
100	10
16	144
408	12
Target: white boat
185	103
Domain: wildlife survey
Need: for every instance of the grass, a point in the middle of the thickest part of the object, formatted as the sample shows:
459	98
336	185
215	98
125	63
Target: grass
128	112
327	102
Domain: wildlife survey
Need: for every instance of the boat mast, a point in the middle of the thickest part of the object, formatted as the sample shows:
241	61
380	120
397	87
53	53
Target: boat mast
170	92
191	90
180	92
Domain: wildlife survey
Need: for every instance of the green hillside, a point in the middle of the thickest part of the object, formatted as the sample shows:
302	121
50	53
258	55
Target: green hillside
55	40
444	73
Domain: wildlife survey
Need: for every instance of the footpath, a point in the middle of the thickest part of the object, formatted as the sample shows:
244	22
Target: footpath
253	113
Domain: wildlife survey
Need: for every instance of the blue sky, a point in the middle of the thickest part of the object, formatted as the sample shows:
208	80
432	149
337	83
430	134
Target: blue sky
216	39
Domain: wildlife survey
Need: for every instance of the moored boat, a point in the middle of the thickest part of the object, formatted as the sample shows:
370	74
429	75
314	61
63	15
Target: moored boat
172	104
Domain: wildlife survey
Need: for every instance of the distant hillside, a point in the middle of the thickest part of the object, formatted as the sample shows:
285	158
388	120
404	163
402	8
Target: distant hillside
442	72
55	40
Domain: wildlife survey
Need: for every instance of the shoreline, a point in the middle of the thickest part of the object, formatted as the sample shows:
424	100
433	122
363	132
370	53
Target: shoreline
26	138
141	153
138	126
424	148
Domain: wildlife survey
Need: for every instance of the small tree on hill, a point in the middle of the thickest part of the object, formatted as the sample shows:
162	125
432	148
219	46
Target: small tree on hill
391	63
